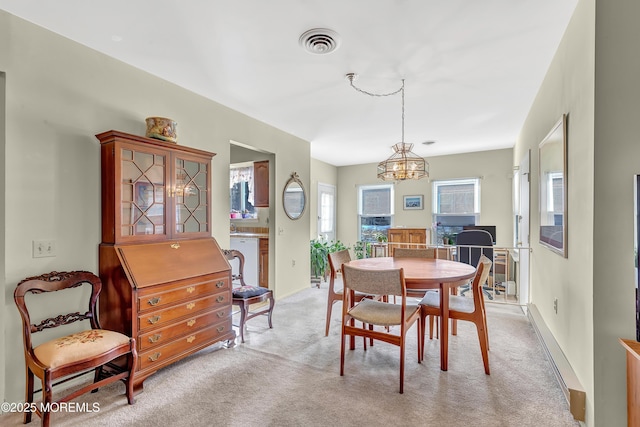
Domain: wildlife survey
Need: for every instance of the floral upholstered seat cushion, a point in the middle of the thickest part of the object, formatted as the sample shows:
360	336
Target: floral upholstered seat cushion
79	346
248	291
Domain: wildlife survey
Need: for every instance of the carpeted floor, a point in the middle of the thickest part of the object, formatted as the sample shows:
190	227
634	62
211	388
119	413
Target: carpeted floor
289	376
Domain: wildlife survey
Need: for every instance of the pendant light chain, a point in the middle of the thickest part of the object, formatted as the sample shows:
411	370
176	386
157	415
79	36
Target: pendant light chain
403	164
352	76
402	89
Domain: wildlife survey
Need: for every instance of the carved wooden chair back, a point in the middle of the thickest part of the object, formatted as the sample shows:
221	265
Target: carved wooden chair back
245	295
70	356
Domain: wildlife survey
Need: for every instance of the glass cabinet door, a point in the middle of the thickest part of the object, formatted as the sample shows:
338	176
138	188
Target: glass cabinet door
143	204
191	191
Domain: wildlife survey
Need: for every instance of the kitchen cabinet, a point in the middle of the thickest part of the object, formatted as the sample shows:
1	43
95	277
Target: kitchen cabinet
263	263
261	184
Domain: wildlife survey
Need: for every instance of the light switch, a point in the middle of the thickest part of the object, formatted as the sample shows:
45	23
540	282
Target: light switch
44	248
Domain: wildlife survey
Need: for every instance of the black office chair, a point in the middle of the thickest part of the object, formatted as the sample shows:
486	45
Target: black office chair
468	250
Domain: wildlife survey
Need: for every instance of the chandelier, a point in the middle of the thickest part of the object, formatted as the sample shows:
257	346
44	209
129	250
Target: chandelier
403	163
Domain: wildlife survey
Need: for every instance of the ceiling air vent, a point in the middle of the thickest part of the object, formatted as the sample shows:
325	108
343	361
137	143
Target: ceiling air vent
320	41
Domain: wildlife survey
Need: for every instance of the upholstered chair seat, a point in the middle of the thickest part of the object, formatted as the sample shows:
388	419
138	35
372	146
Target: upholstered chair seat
77	347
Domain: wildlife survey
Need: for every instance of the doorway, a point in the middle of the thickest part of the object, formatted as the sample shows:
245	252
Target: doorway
522	201
326	212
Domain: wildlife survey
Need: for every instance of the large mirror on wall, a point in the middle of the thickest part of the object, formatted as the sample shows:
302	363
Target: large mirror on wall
553	188
294	198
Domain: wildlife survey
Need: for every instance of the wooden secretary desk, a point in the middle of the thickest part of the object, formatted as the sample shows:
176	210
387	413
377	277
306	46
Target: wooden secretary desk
165	280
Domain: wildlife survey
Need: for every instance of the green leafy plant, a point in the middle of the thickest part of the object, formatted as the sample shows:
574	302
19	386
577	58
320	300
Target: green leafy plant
361	249
320	249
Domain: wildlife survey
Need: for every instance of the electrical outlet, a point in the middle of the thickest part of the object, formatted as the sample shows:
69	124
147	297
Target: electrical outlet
44	248
555	305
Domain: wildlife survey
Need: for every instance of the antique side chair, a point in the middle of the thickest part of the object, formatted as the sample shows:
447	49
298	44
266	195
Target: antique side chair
244	295
70	356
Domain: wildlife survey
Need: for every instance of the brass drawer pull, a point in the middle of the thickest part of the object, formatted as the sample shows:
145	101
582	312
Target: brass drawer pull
154	301
220	328
220	314
220	298
191	338
175	245
220	284
191	305
191	322
191	289
154	319
154	356
155	338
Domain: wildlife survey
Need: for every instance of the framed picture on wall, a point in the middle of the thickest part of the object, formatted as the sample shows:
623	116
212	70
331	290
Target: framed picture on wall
412	202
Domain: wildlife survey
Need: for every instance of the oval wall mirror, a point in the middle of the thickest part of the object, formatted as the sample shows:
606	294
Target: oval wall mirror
294	198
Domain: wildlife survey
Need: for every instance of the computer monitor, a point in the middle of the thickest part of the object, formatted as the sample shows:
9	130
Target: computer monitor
491	229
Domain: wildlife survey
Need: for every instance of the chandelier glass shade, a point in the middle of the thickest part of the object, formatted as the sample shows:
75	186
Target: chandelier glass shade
403	164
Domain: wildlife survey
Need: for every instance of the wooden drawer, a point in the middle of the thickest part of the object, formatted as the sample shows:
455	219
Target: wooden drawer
159	356
153	319
164	335
159	299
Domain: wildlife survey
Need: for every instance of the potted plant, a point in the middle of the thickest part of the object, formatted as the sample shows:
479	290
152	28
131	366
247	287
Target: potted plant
448	239
361	249
320	249
381	237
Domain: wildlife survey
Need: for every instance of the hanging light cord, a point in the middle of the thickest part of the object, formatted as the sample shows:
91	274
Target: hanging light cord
352	76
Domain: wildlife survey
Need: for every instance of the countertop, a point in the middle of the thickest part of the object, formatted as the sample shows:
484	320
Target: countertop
242	234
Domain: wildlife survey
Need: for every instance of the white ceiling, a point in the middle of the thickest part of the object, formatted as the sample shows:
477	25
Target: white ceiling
471	67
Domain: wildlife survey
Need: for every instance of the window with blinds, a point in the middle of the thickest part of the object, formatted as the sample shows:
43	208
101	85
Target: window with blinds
375	211
456	197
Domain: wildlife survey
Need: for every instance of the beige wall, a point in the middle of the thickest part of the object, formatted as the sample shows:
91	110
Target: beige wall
594	80
494	167
616	154
59	94
321	173
3	82
567	88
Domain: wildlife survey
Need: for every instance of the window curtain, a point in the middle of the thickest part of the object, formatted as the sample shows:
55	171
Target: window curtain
242	174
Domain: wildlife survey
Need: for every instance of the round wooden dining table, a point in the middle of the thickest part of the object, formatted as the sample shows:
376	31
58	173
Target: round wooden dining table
421	275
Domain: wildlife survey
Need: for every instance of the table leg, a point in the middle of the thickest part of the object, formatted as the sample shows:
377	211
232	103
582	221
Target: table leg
454	322
352	322
444	327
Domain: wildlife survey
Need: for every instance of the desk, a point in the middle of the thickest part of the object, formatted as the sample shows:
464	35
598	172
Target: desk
423	274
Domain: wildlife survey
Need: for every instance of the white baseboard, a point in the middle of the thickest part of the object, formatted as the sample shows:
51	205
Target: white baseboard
568	380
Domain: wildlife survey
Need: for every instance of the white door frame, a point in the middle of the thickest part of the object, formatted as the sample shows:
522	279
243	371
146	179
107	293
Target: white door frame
330	191
523	238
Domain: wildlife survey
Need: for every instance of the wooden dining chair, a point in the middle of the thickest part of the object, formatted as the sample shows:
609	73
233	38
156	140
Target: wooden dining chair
463	308
336	259
429	253
414	253
378	312
243	295
70	356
